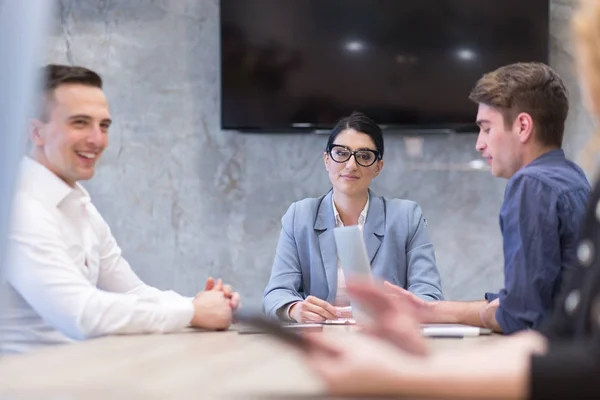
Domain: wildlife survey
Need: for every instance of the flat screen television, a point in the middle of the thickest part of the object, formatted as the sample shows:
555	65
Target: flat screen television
300	65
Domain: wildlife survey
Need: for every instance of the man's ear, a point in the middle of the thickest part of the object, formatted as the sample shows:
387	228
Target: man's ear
524	127
36	134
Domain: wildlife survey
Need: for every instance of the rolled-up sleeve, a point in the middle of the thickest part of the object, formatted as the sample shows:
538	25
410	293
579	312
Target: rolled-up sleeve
532	257
490	296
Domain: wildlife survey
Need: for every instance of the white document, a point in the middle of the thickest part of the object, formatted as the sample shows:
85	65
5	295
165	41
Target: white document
352	253
340	321
453	330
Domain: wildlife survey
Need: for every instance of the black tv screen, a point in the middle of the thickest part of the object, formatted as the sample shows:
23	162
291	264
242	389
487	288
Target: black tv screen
300	65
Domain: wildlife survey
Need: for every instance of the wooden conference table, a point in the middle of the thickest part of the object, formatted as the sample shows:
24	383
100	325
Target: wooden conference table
187	365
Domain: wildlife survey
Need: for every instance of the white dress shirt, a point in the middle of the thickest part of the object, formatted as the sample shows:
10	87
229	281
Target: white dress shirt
341	296
66	278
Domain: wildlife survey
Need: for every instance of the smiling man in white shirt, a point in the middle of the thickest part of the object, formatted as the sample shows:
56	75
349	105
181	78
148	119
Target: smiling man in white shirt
66	277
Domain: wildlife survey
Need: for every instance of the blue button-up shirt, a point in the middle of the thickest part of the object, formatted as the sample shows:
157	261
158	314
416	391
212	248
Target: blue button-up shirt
540	219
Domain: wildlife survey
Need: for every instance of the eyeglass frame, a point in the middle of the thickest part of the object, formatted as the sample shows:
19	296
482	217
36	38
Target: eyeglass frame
353	153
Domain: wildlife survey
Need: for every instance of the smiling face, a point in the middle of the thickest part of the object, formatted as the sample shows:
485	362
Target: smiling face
75	131
501	147
349	177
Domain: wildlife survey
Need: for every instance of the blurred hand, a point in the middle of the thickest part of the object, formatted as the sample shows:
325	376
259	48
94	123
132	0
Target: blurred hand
234	297
312	310
394	318
424	309
212	310
364	366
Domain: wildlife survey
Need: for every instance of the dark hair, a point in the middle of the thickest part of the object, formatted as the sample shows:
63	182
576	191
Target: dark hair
360	123
55	75
533	88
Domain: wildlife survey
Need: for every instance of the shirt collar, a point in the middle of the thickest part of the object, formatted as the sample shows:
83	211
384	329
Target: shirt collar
550	156
48	188
361	218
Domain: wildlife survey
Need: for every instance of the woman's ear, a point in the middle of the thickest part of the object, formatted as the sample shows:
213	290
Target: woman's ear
379	167
325	160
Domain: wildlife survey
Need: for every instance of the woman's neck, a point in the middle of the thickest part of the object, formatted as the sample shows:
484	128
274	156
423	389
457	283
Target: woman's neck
349	207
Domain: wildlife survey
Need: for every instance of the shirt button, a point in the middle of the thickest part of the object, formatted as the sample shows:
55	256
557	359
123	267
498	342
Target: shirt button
585	253
572	301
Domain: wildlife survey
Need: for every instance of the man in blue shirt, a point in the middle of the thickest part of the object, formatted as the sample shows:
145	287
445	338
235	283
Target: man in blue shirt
521	116
540	222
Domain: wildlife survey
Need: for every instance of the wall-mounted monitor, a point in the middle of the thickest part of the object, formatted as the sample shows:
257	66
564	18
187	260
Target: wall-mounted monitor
300	65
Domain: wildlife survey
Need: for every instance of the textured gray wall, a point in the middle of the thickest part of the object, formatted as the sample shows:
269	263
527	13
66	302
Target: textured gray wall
187	200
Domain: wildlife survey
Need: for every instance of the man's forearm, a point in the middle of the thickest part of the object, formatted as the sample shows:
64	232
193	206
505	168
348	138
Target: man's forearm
488	316
456	312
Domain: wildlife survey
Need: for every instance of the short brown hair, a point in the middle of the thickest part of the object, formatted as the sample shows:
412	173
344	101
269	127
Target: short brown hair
533	88
55	75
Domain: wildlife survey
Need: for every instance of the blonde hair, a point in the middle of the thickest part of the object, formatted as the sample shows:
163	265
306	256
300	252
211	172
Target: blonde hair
586	27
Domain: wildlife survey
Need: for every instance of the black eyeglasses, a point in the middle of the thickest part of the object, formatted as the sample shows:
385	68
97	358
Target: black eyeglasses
365	158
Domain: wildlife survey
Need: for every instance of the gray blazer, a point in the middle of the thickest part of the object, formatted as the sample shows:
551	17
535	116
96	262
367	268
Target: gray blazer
306	258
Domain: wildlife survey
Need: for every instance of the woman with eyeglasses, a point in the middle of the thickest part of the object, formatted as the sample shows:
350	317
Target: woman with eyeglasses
307	283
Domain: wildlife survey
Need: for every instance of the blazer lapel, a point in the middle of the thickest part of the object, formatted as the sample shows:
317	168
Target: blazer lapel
374	228
324	224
